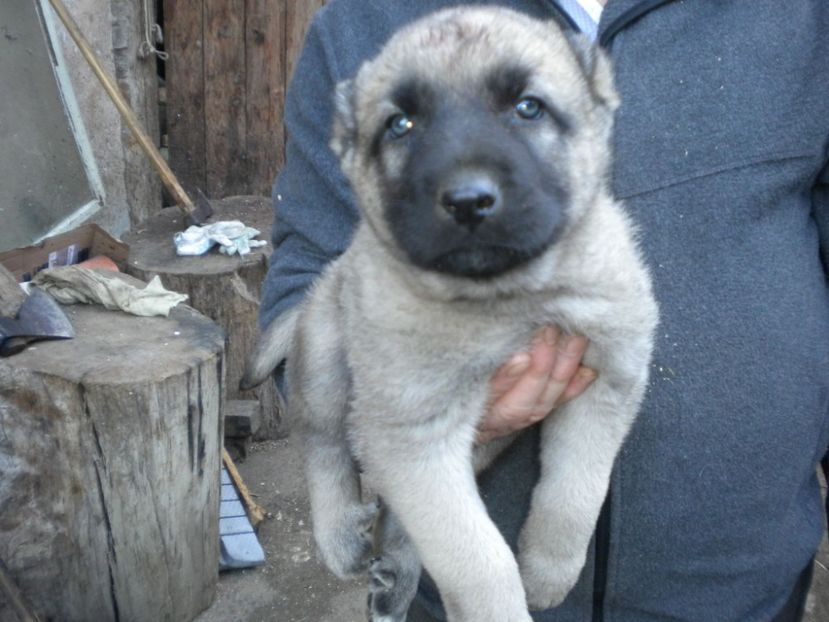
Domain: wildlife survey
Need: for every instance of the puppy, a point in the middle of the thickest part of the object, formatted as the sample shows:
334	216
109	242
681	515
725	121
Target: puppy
477	146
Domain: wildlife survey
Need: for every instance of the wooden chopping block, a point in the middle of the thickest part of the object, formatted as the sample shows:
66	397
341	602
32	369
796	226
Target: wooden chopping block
225	289
110	459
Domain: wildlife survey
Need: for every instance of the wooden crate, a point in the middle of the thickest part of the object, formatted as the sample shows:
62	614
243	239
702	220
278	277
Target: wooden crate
229	66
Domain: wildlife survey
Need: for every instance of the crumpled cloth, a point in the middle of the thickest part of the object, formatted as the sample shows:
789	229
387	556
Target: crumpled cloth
232	236
71	284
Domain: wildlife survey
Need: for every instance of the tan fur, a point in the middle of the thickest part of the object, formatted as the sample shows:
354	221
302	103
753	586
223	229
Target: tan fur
391	363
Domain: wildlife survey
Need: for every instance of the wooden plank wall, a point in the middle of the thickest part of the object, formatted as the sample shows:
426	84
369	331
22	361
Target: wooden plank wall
230	64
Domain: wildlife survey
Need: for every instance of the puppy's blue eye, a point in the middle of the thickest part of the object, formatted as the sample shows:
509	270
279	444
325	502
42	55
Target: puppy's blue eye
529	108
399	125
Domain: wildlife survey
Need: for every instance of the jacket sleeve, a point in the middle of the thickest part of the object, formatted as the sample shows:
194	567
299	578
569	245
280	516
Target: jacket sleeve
314	210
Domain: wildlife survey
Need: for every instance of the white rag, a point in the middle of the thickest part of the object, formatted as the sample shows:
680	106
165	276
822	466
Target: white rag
232	236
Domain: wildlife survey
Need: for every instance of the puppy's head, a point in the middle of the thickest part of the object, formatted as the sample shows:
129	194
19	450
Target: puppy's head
475	139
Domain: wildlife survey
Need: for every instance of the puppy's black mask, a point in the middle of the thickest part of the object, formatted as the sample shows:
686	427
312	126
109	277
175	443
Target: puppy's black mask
474	196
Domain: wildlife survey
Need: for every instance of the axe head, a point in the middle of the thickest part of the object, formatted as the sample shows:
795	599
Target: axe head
40	317
202	210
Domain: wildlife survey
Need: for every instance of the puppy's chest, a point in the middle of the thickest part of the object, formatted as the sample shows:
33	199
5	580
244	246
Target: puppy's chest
434	357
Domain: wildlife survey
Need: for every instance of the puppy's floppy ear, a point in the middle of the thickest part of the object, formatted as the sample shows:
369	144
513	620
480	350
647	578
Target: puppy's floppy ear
598	70
345	123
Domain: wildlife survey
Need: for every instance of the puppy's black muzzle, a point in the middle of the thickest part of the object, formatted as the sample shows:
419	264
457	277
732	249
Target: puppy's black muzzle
474	198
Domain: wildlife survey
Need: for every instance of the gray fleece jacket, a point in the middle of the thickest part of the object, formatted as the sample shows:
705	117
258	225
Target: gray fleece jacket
721	158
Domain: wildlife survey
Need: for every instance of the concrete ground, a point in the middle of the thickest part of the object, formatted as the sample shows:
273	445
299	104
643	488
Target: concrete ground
294	587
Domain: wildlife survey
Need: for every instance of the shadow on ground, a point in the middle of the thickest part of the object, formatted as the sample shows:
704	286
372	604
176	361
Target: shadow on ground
293	586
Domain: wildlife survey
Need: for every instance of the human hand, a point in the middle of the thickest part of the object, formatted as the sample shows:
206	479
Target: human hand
531	384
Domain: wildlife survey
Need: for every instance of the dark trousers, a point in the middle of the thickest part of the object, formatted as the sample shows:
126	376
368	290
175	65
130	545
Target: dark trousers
791	612
418	614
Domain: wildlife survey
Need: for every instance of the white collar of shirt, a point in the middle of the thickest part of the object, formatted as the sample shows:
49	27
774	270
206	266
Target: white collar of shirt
593	8
585	13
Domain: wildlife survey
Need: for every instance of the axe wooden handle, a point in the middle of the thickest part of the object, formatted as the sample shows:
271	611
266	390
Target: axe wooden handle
167	177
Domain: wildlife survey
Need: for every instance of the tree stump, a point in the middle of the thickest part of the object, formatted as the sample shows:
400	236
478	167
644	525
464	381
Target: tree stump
110	468
225	289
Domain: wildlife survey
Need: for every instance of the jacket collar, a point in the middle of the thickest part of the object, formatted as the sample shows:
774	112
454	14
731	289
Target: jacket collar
617	15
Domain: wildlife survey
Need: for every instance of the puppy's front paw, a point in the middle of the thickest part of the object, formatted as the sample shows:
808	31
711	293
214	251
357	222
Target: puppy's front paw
391	588
547	581
345	543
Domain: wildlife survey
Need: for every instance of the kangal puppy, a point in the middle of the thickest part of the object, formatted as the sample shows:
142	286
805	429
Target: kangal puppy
477	146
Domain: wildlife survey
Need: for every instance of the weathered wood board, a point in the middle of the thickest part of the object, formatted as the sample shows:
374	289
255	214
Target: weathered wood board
298	18
229	67
183	41
265	89
226	289
224	97
110	460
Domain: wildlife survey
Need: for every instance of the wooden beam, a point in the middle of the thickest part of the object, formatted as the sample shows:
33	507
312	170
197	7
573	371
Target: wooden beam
183	40
225	97
299	17
265	89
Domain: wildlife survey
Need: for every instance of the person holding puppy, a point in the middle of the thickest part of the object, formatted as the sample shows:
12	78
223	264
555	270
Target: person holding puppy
720	144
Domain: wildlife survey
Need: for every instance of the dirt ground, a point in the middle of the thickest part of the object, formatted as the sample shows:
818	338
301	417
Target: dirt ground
294	587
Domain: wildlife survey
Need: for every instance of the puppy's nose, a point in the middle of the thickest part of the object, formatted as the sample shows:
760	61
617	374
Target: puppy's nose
471	201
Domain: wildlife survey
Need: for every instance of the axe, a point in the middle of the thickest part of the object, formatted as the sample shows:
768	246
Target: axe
24	319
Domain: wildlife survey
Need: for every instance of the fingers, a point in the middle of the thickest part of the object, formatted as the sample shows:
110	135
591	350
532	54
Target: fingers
569	352
508	374
530	385
521	400
516	387
578	384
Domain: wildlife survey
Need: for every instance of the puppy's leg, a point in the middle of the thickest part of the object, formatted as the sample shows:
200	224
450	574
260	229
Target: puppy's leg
394	574
485	454
319	382
579	444
341	521
429	484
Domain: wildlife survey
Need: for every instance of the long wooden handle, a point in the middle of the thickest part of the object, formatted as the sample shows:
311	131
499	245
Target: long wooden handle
256	513
167	177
